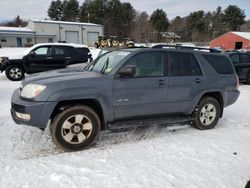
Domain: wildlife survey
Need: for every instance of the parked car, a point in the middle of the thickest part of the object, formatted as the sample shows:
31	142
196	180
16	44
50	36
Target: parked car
124	87
241	61
43	57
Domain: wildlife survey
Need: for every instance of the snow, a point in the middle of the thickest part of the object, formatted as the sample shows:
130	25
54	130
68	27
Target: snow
243	34
16	29
63	22
156	156
14	52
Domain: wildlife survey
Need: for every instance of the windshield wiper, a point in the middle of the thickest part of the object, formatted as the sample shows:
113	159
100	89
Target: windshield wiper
105	66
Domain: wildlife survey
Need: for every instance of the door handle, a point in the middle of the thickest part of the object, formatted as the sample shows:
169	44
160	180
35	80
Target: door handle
197	80
161	82
48	57
68	57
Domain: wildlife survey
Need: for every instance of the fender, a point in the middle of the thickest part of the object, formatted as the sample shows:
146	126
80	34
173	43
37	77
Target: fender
89	93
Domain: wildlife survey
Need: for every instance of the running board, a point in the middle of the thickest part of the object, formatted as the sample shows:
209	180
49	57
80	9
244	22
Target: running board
124	124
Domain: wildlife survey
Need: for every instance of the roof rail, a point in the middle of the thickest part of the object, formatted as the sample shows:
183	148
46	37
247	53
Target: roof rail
181	47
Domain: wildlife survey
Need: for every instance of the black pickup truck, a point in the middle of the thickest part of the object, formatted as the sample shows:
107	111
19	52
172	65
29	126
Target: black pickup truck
241	61
43	57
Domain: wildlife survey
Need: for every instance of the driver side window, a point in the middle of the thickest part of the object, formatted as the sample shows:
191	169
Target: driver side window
43	51
148	64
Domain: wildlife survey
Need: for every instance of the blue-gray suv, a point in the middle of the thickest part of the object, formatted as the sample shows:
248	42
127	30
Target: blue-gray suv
125	86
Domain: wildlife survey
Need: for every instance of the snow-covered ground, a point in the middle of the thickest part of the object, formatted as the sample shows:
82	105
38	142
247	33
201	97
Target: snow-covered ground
157	156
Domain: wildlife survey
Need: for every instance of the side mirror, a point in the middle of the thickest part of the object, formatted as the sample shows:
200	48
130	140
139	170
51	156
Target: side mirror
32	54
127	71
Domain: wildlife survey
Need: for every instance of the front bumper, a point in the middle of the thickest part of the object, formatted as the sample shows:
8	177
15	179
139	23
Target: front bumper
3	64
39	112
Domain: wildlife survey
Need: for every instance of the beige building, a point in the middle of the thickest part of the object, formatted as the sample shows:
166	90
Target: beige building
43	31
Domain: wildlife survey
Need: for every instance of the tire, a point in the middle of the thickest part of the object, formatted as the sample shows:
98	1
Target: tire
14	73
75	128
206	114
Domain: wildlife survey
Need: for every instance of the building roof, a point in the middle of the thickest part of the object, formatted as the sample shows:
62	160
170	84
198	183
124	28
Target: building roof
243	34
16	29
65	22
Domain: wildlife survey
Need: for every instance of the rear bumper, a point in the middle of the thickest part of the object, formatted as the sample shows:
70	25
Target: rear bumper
231	97
39	112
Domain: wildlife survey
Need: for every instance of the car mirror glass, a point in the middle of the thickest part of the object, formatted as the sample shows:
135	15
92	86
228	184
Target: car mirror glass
127	71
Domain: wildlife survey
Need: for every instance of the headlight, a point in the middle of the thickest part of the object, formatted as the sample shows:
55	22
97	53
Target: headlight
32	90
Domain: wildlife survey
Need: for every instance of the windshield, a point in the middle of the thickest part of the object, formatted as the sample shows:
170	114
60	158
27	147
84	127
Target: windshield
106	63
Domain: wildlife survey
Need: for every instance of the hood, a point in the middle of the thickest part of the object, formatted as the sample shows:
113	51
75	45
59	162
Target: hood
14	53
15	56
58	76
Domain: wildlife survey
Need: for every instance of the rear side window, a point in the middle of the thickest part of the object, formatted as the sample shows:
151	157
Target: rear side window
83	51
235	58
59	51
183	64
221	64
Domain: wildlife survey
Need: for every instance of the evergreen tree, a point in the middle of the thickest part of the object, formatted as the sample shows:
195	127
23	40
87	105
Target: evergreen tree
70	10
234	17
55	10
159	20
93	11
196	25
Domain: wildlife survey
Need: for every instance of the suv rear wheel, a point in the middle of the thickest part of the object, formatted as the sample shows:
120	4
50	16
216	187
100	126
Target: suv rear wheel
14	73
207	114
75	128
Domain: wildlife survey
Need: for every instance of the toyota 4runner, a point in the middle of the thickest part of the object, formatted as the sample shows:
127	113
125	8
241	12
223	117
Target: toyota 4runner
123	87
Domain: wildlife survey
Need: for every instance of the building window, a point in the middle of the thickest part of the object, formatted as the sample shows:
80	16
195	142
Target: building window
50	40
3	39
29	40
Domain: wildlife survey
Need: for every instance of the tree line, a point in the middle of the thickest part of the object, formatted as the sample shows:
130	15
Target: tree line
122	20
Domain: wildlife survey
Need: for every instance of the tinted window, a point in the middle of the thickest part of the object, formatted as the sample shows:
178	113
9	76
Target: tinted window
221	64
83	51
183	64
245	58
235	58
59	51
149	64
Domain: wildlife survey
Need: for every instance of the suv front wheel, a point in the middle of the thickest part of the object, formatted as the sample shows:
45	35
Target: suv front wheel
14	73
206	114
75	128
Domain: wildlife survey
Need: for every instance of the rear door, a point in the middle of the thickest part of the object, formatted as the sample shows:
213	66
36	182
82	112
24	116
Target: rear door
185	81
60	57
144	94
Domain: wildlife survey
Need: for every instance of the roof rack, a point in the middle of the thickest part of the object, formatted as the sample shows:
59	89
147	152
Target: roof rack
181	47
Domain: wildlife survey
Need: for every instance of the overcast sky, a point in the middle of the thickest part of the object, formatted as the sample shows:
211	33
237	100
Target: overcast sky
37	9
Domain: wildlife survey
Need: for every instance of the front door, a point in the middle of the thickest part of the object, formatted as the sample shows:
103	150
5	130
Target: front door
19	42
40	59
145	93
185	81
